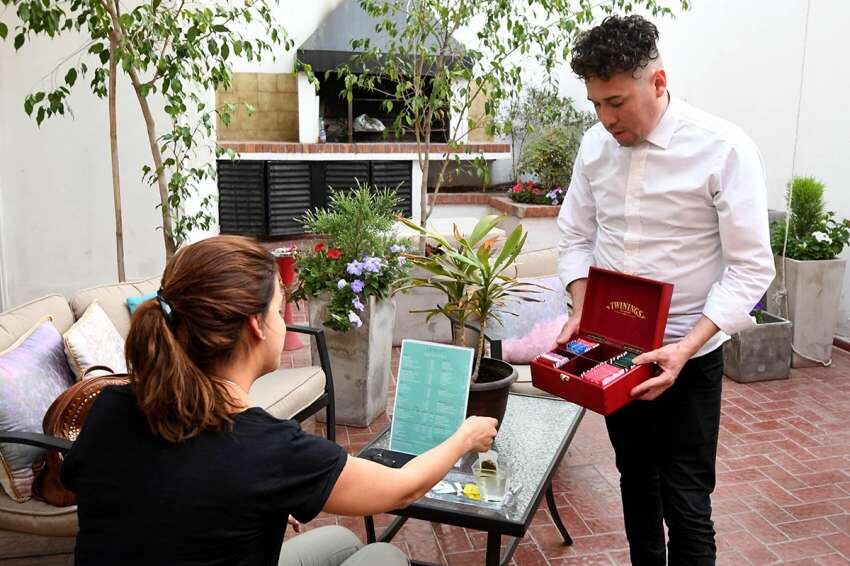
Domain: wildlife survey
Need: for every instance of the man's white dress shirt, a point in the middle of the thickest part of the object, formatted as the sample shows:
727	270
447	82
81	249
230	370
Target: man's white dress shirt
688	205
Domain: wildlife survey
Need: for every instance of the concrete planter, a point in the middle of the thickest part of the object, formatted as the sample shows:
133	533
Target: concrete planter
760	353
360	361
814	292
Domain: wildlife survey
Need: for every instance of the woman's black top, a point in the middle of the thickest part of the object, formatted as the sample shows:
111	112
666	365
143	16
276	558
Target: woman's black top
219	498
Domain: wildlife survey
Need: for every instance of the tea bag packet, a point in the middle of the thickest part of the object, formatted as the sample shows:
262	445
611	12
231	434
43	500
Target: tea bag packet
602	374
580	346
624	360
553	359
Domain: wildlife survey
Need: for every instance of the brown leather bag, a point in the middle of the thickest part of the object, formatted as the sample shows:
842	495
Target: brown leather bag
64	419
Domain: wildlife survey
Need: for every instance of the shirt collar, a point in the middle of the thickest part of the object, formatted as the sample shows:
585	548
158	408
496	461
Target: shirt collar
665	128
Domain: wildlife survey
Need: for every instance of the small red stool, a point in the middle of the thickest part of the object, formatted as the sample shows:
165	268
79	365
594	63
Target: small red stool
285	258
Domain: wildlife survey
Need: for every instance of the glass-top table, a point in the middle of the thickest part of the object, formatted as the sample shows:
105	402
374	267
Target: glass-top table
533	439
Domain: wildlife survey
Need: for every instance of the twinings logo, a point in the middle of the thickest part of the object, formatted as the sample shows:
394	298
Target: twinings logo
626	309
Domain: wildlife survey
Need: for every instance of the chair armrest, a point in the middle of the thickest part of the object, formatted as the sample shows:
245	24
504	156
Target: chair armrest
36	439
322	347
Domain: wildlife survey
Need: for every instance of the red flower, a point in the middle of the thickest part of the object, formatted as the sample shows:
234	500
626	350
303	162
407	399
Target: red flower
334	253
319	247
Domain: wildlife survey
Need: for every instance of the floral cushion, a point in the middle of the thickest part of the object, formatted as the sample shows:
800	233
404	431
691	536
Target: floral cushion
33	372
94	341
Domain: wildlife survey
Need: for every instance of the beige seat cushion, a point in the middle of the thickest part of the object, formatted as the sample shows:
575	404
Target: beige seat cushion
523	383
285	392
17	321
37	517
113	300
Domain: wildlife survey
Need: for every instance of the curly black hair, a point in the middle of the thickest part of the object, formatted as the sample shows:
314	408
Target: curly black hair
617	45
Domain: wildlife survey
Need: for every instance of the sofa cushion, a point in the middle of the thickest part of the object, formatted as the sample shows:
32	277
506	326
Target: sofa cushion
134	302
285	392
550	302
113	300
33	372
37	517
18	321
94	341
523	384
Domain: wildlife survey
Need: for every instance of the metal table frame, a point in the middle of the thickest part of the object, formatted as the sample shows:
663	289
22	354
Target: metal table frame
495	527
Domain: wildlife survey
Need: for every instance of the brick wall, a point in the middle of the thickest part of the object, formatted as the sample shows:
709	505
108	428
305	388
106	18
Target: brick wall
274	97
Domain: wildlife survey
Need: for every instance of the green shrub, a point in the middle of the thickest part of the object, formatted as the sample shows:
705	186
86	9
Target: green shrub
550	155
813	233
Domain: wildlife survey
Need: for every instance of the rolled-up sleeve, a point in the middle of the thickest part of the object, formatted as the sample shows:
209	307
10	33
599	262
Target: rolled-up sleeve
741	203
577	225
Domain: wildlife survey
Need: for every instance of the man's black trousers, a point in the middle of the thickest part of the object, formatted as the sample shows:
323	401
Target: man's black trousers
666	451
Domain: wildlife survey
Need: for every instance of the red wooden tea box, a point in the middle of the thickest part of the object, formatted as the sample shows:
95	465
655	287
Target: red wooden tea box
623	314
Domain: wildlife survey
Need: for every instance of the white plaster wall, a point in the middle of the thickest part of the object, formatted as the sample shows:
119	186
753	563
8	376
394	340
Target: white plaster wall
57	227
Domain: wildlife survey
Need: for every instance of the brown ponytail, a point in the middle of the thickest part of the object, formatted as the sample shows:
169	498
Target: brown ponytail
209	290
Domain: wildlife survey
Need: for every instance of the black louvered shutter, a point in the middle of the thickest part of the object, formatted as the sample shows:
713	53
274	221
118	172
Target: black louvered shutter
289	196
242	197
344	175
396	176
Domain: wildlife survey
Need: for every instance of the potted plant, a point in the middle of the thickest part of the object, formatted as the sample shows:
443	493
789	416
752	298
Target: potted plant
808	283
762	352
348	279
530	193
472	274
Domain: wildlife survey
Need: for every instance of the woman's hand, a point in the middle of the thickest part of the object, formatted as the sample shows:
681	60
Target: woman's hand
478	433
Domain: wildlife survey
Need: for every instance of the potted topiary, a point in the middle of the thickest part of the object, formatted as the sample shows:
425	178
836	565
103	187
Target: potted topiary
761	352
348	279
472	275
809	278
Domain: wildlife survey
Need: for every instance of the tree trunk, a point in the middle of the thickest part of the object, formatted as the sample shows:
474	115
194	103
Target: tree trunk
150	127
113	147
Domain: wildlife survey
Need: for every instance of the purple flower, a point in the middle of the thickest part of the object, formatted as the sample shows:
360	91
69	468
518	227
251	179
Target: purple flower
357	285
354	319
372	264
341	284
402	260
397	248
355	302
354	268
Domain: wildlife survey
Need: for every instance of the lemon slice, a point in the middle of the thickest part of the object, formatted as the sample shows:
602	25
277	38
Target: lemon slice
471	491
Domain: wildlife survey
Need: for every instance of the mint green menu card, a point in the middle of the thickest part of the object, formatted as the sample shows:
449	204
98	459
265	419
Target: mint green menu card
431	395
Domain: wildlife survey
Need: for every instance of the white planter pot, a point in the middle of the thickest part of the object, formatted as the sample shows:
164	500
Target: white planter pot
814	293
360	361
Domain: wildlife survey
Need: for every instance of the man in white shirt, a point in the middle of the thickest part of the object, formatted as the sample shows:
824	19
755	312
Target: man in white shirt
665	191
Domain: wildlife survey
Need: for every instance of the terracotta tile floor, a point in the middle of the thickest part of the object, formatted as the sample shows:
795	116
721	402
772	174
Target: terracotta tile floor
782	497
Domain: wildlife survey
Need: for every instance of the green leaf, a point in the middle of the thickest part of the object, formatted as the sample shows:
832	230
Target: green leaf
483	227
19	41
4	31
71	76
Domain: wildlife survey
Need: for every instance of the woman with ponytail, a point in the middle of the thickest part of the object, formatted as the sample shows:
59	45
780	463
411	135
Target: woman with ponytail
177	468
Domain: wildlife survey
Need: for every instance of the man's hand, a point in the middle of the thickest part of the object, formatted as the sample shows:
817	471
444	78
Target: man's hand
671	358
570	329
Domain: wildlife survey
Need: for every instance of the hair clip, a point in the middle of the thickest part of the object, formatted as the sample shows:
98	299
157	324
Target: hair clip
165	307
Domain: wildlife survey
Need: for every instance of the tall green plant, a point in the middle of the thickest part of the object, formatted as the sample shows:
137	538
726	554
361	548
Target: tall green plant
172	52
472	273
362	256
807	207
813	232
435	78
